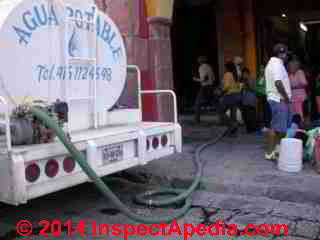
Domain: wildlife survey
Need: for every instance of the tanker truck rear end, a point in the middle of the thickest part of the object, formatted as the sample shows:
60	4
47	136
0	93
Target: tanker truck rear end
68	58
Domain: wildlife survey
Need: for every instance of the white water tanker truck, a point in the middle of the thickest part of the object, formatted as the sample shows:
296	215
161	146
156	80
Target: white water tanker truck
68	58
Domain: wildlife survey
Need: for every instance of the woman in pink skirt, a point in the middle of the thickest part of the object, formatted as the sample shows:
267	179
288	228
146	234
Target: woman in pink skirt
298	85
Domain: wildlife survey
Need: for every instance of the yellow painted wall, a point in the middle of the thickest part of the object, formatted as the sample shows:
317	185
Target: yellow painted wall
160	8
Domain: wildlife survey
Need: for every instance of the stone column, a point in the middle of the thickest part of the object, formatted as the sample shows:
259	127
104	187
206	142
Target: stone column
219	11
160	64
250	51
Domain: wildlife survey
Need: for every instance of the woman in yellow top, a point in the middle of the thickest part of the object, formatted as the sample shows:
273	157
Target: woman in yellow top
231	83
231	94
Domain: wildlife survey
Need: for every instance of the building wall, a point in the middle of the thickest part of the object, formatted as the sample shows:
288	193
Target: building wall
236	32
232	30
145	26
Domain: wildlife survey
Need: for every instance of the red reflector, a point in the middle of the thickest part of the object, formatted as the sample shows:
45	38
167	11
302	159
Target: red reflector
148	144
155	142
52	168
164	140
32	172
68	164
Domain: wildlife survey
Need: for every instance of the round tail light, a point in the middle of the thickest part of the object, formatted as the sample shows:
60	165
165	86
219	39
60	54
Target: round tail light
32	172
148	144
155	143
52	168
69	164
164	140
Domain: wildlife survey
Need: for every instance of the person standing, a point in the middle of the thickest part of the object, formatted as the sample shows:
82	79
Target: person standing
238	62
298	84
279	97
248	103
317	92
262	99
231	97
206	79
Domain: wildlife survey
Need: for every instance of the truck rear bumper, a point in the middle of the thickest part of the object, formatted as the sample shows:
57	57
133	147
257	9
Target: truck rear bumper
108	150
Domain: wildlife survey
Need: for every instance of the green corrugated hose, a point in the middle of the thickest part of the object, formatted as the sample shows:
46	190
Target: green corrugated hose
80	159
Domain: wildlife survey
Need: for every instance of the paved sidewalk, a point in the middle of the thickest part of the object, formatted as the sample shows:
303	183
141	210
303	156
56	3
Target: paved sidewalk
235	165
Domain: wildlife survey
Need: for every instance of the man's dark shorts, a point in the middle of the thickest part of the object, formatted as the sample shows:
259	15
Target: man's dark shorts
280	120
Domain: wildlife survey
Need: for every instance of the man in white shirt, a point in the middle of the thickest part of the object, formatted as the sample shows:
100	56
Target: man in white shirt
279	94
206	80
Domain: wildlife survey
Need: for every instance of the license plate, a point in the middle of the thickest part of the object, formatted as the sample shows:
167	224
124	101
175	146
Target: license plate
112	154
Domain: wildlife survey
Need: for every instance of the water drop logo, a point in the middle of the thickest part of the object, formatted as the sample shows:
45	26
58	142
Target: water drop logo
73	44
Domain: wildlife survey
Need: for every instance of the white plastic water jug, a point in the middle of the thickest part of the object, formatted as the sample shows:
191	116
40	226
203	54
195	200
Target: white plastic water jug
291	154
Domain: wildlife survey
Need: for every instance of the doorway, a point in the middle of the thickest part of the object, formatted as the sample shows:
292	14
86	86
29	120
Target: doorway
193	33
